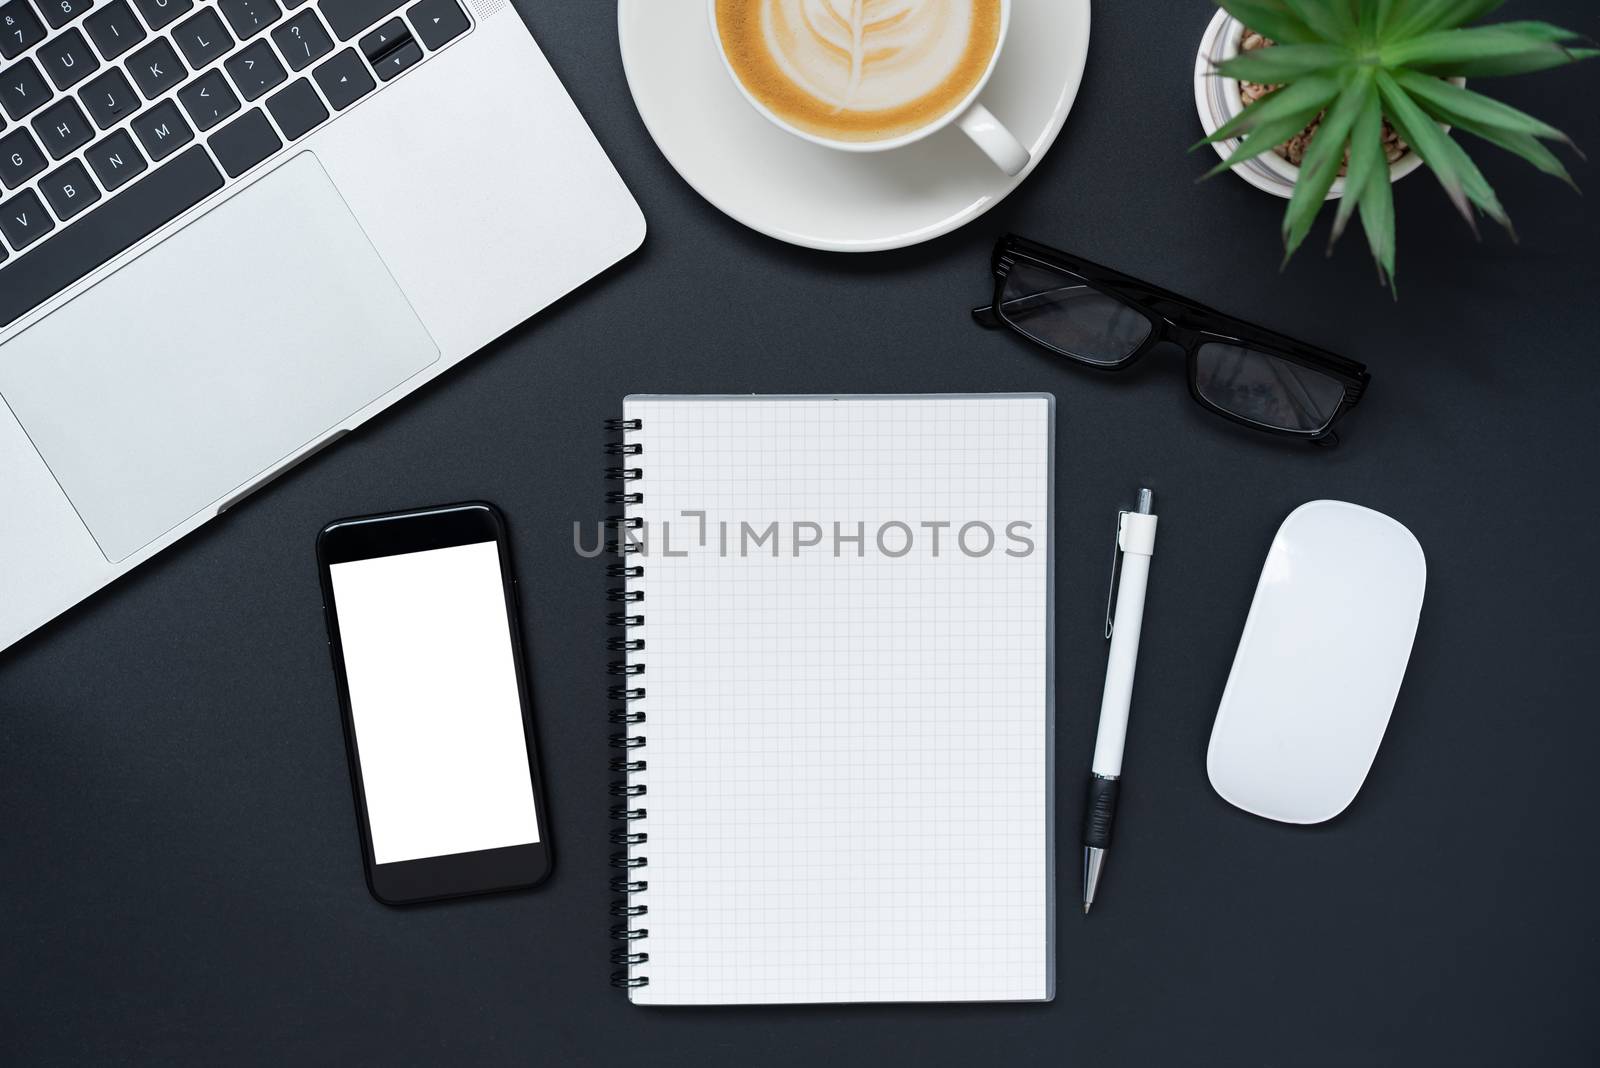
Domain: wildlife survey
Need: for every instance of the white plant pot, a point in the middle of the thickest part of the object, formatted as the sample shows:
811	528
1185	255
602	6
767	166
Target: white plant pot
1217	99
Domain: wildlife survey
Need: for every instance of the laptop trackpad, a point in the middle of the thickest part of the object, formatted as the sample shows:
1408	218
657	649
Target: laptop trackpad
202	365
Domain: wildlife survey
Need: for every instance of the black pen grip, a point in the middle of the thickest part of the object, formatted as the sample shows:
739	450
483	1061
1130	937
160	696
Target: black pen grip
1098	813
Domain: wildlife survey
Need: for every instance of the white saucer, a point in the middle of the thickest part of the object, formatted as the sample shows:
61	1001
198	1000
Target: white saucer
808	195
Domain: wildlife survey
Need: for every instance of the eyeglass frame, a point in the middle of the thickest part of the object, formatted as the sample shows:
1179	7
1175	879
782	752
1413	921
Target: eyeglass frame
1175	319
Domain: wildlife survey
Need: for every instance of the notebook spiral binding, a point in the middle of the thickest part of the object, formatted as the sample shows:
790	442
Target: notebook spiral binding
625	688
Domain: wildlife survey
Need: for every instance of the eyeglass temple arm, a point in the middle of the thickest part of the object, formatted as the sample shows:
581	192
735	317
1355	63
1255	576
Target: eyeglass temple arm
1145	293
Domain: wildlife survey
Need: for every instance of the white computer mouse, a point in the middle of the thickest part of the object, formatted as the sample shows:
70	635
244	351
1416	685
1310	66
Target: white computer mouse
1320	663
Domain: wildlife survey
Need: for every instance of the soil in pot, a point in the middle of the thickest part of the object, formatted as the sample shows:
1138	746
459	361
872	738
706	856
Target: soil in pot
1294	149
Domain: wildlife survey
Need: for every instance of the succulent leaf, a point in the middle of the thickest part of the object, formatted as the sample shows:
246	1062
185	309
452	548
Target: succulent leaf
1521	63
1366	157
1423	16
1323	159
1285	63
1377	221
1521	144
1271	18
1265	137
1462	12
1540	31
1470	107
1307	97
1449	162
1456	52
1378	13
1330	20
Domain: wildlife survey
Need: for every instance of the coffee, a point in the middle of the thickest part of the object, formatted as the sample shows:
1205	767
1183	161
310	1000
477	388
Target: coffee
859	70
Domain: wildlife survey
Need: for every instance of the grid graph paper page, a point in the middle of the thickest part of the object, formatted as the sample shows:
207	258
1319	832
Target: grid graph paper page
848	773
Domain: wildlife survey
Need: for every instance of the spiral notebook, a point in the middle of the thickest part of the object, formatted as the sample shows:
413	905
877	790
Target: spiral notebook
832	623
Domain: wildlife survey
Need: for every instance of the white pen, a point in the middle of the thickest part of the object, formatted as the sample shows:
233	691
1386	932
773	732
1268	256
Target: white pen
1136	543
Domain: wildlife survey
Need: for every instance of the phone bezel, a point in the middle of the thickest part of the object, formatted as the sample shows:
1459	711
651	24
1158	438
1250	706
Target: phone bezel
393	533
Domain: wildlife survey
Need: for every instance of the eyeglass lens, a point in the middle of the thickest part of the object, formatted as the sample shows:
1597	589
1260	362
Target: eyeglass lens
1266	389
1058	310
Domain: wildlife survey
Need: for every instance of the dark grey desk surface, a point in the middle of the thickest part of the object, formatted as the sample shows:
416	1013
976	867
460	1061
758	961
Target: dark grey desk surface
178	865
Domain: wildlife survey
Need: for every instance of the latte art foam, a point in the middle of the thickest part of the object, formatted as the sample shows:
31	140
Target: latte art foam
859	70
867	55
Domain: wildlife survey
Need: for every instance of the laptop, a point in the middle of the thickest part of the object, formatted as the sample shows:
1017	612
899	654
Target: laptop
231	231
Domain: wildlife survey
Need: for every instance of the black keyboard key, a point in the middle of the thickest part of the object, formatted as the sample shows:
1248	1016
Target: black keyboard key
437	21
156	68
115	29
250	17
135	213
20	158
163	130
115	159
20	28
109	98
68	59
23	220
254	69
208	99
396	59
374	44
22	89
203	38
350	17
62	128
302	40
297	109
60	12
244	142
69	189
344	79
160	13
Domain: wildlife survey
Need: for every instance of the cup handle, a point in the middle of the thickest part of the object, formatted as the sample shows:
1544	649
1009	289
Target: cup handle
997	142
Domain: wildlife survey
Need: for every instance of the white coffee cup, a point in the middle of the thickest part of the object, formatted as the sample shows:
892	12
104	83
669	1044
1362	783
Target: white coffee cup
975	120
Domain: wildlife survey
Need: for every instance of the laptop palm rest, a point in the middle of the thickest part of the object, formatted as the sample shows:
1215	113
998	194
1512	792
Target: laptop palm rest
205	364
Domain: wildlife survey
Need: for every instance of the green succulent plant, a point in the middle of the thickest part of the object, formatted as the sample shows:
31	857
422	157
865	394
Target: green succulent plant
1357	63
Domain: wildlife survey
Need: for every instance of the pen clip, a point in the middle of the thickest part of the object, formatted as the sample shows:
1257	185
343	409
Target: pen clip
1116	560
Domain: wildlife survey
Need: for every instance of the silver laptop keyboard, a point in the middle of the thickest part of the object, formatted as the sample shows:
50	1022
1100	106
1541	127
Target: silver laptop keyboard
124	114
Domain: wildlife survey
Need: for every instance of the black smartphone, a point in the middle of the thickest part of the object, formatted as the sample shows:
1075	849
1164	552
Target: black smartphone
421	609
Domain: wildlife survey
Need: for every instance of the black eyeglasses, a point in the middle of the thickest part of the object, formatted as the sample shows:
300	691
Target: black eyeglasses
1106	320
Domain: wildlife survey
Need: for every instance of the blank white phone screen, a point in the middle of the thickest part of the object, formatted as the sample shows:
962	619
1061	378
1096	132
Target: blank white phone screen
433	695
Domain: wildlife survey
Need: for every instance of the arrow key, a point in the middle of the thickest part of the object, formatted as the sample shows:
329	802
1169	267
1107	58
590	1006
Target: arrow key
437	21
208	99
397	59
385	37
344	79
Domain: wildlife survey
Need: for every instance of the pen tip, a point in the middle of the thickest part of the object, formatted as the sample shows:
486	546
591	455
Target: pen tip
1086	908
